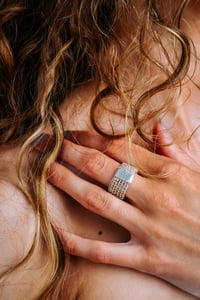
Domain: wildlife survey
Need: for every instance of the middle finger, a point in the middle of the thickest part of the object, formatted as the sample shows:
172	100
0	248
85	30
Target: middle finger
98	200
102	168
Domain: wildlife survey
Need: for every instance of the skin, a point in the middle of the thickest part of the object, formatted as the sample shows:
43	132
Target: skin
92	281
162	214
89	280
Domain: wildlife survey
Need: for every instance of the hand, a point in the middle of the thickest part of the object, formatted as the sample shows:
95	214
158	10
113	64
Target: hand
162	213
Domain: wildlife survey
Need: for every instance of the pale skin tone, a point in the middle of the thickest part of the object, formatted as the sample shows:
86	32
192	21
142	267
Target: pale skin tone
162	215
88	280
92	280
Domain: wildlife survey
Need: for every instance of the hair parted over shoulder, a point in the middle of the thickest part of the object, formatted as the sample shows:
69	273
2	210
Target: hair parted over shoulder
48	48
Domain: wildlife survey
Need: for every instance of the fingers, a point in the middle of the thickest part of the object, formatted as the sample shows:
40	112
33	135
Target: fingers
169	149
133	254
102	168
122	254
123	151
98	200
89	161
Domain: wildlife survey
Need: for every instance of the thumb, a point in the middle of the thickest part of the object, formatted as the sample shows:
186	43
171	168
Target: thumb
166	147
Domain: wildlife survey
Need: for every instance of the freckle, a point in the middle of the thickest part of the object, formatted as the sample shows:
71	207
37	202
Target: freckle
100	232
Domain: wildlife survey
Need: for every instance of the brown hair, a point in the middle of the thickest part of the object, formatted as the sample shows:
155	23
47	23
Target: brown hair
48	48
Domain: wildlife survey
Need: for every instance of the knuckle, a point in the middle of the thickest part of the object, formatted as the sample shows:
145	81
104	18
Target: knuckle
183	174
100	255
116	146
161	197
60	178
185	178
55	175
167	202
144	264
97	200
162	170
70	245
152	263
158	264
166	167
96	162
171	168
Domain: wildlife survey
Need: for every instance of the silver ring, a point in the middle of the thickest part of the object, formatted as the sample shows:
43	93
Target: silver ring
120	181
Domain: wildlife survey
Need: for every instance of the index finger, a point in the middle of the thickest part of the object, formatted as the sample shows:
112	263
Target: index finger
124	151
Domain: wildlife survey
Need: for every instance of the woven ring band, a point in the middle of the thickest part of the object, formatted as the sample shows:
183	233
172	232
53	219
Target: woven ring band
120	181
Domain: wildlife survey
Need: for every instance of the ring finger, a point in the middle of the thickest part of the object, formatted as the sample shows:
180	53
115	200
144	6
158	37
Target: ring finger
102	168
96	199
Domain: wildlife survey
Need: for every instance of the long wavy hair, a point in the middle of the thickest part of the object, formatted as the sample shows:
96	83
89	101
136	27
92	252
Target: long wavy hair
48	48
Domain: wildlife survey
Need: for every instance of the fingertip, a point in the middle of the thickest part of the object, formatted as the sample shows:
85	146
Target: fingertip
163	136
164	140
68	241
87	138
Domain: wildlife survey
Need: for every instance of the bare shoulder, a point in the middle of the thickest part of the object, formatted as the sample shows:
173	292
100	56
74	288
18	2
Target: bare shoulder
102	282
16	225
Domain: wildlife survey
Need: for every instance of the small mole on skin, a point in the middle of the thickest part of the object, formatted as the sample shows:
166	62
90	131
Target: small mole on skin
100	232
